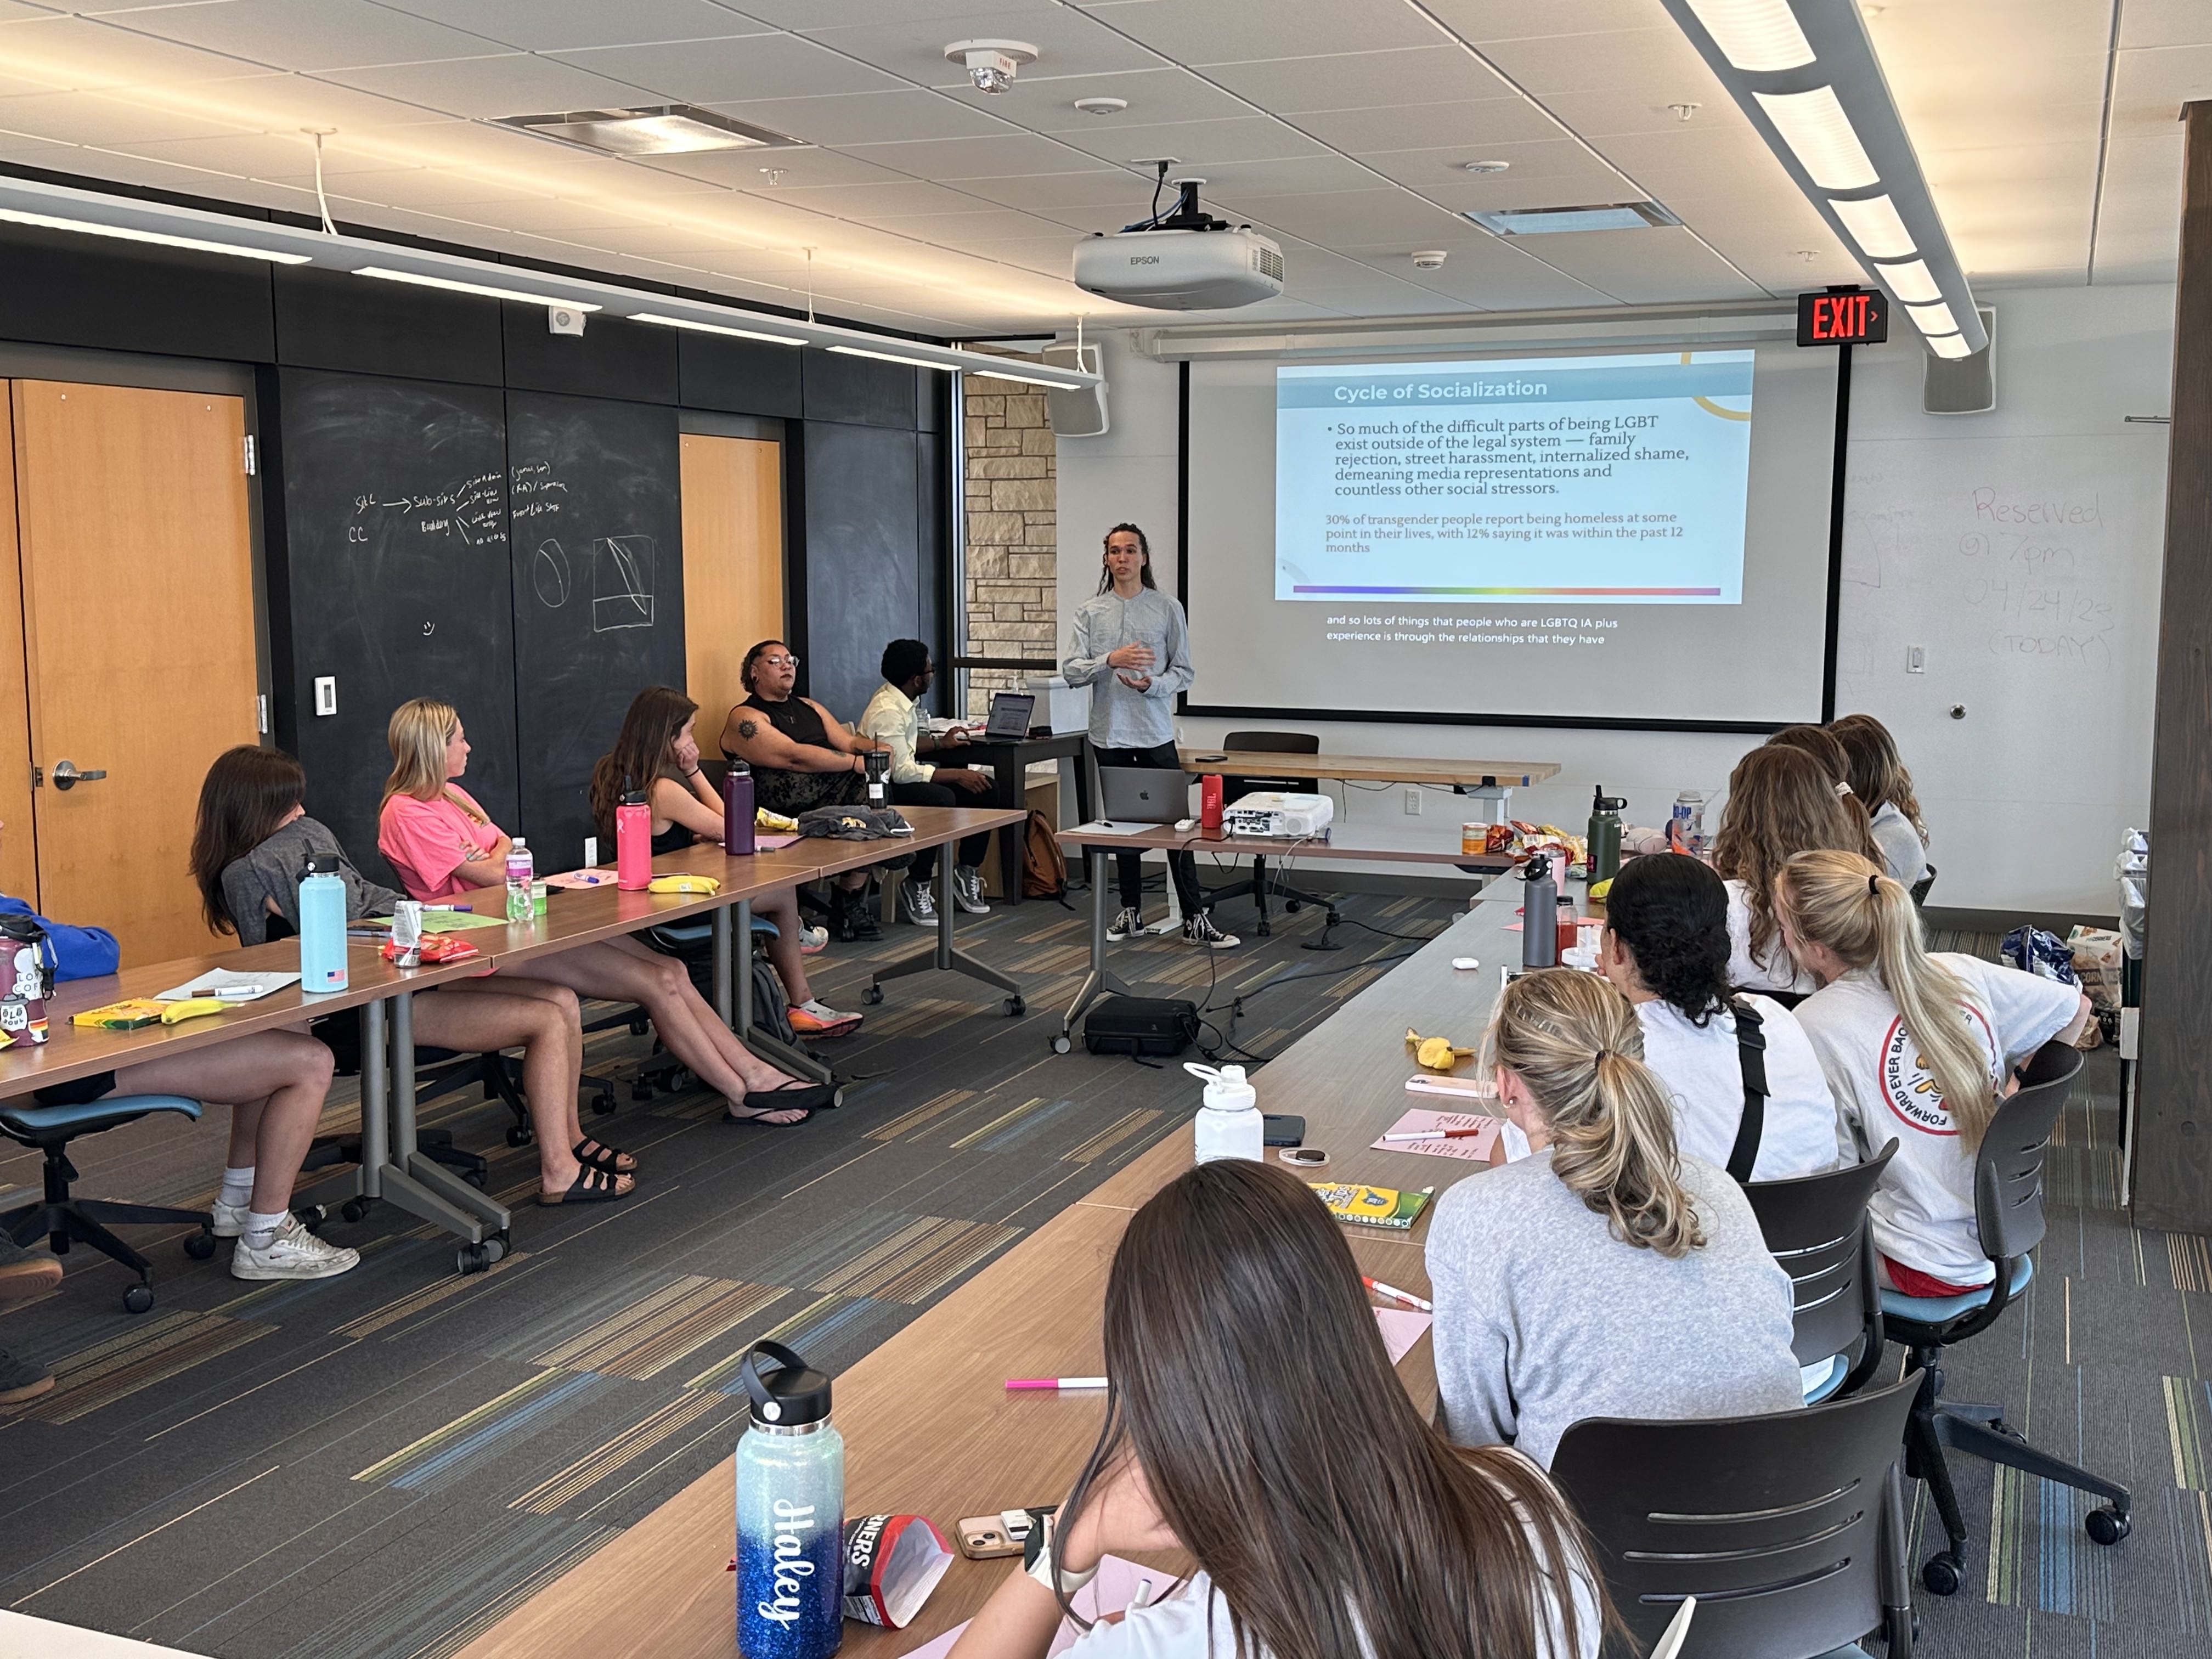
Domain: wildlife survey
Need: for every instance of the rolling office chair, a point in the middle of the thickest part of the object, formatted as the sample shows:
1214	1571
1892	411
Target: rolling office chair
1920	888
1273	742
65	1220
1788	1528
2008	1218
1816	1227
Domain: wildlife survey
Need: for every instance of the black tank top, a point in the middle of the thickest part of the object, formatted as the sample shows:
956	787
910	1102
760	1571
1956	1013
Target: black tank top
793	793
795	718
673	839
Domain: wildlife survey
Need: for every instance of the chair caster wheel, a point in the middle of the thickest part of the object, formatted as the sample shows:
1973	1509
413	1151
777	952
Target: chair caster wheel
1939	1575
354	1209
517	1135
873	996
476	1258
1016	1007
1060	1045
137	1299
478	1178
604	1102
200	1245
2107	1525
1294	905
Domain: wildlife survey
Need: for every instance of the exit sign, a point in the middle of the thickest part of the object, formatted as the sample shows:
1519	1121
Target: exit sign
1858	317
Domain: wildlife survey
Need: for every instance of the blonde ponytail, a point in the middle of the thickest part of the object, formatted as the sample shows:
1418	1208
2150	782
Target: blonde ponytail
1576	1042
1846	903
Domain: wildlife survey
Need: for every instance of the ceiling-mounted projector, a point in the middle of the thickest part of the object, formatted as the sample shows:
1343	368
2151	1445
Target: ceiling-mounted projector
1183	260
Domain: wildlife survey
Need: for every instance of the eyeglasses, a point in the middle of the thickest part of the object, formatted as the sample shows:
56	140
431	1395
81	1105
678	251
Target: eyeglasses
780	662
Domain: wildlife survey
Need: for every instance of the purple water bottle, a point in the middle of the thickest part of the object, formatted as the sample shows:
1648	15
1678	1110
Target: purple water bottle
737	810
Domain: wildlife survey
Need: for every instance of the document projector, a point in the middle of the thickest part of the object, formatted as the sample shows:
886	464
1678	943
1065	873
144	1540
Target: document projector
1273	813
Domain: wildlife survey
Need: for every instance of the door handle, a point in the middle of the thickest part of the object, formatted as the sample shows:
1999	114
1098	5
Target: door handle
66	776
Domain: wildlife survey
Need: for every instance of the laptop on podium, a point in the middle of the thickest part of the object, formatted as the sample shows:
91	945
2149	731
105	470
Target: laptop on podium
1009	721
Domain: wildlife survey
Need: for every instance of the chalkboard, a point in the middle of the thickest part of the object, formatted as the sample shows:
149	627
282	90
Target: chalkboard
863	576
397	580
597	591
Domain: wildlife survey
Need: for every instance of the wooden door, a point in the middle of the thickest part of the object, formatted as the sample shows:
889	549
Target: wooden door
138	637
732	565
19	853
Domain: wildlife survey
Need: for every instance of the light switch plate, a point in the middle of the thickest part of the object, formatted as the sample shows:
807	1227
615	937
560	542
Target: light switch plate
326	694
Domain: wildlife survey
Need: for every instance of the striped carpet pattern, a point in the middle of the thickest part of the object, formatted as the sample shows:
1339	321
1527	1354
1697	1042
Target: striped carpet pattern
377	1466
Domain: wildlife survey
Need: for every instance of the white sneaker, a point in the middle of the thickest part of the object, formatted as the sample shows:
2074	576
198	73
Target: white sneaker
1200	930
1127	925
916	903
292	1252
812	941
229	1219
967	890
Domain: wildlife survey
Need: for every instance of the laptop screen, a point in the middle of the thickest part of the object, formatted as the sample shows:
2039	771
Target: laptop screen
1009	713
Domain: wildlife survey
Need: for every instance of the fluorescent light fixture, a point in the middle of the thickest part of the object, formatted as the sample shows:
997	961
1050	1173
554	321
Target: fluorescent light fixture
893	357
1758	35
1873	224
122	232
1933	320
1813	123
1609	216
490	293
717	328
1026	380
1914	283
1951	345
658	129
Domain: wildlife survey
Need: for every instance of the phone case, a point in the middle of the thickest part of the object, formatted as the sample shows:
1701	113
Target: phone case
985	1538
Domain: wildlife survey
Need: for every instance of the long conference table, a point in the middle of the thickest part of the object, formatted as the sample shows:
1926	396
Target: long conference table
392	1168
929	1427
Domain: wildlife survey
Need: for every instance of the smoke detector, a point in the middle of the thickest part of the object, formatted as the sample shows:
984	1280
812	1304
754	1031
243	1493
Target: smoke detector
992	63
1486	166
1102	105
1431	259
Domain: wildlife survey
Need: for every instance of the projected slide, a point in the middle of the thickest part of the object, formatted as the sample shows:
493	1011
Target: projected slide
1617	479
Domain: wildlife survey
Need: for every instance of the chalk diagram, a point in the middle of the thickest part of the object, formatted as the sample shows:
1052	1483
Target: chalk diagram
549	574
622	581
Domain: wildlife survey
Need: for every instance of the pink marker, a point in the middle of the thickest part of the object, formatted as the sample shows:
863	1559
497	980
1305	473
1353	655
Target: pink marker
1397	1295
1056	1382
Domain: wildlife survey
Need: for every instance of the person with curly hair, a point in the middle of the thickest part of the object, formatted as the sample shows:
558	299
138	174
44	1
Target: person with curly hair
1666	948
1780	801
1879	779
1822	745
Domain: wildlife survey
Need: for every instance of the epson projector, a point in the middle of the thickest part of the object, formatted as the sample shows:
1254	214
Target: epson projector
1273	813
1181	269
1181	260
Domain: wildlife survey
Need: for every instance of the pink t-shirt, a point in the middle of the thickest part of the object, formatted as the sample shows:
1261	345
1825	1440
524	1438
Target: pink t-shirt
427	841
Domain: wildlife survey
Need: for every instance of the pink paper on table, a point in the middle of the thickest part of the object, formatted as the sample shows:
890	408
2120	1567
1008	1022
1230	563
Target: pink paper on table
583	879
1401	1329
1112	1591
1470	1149
772	843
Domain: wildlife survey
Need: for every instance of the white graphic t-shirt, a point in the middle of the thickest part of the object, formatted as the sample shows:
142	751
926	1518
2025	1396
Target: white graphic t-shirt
1924	1210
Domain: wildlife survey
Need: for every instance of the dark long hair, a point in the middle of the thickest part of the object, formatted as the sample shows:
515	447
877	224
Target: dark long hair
1144	546
1250	1384
1878	777
1780	801
246	794
1672	913
642	751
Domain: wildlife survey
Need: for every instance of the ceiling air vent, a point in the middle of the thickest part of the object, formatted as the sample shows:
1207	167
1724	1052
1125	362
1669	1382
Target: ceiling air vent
658	129
1607	215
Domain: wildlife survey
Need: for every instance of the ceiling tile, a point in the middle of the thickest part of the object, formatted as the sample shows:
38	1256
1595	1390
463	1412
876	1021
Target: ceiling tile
2139	225
556	25
81	53
1105	193
1481	270
307	34
1646	267
2162	23
543	216
1549	174
839	14
955	229
905	197
1345	217
867	117
748	169
1159	96
1068	42
1361	80
88	118
1700	158
1234	31
1482	21
479	88
758	66
1236	181
1476	126
1598	116
1196	144
1656	62
1000	157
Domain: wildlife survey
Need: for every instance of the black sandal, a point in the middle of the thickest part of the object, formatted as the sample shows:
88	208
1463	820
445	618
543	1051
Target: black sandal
590	1186
808	1098
611	1159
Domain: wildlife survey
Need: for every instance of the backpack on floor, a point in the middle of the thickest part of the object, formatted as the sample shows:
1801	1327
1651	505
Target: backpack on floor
771	1012
1044	870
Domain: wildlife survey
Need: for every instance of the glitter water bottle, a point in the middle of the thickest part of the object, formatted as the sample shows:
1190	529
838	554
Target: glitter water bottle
791	1512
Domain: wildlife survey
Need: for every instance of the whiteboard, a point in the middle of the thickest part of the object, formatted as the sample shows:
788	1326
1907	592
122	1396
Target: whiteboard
2028	569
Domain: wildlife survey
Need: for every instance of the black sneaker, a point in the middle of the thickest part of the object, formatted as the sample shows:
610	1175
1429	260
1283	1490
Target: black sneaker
1200	930
21	1379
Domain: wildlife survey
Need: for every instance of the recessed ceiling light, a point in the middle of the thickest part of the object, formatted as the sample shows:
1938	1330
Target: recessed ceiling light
1486	166
1608	215
717	328
1759	35
124	233
519	295
659	130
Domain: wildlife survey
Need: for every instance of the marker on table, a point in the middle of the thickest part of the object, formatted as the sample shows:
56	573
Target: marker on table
450	907
1056	1382
1391	1291
1433	1135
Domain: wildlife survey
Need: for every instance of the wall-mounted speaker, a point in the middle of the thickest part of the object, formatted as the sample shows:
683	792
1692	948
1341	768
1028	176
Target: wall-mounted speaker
1078	414
1963	385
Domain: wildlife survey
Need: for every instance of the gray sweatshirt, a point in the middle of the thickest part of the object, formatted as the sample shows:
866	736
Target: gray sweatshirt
1120	717
1544	1318
272	870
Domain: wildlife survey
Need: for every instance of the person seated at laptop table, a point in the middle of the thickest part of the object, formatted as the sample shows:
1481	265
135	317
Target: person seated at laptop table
893	720
802	757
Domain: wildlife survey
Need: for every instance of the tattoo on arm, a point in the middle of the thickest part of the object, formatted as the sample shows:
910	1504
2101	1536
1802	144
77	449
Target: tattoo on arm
749	729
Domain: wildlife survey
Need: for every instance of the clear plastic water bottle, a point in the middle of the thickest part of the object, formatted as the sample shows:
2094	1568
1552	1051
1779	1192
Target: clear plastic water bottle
1685	829
790	1467
322	925
521	872
1229	1122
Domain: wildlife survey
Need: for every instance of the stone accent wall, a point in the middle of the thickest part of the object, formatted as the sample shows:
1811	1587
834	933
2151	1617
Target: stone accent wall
1012	538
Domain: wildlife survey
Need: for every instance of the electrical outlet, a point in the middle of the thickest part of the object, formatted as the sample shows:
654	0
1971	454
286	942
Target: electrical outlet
326	694
591	851
1915	659
1412	803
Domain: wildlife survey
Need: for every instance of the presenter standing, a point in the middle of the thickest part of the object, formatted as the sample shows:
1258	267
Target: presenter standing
1132	648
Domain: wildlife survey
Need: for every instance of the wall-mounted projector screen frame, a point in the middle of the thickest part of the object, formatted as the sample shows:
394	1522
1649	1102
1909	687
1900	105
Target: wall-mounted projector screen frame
1818	465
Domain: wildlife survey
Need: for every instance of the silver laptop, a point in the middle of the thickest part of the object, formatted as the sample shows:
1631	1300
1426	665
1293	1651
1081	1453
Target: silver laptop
1009	721
1143	794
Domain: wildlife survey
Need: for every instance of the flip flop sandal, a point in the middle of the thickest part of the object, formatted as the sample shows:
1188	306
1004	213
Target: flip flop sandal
611	1159
590	1186
759	1103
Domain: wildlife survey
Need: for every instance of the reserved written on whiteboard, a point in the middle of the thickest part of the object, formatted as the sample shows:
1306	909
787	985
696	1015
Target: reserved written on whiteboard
1991	508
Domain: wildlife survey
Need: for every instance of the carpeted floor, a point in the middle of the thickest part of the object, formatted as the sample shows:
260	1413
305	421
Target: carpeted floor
377	1466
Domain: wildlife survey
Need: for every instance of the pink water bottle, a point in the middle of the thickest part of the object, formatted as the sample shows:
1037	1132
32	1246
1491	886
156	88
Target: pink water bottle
633	842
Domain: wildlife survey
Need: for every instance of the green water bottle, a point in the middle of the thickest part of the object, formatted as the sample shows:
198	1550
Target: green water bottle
1605	835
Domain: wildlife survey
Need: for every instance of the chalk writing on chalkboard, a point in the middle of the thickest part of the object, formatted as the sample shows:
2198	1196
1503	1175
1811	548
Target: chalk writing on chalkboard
468	508
533	492
549	574
622	583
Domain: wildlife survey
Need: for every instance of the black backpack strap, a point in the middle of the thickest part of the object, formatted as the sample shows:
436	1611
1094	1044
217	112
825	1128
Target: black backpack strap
1751	1055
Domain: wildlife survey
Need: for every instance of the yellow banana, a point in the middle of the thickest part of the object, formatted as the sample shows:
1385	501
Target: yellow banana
192	1008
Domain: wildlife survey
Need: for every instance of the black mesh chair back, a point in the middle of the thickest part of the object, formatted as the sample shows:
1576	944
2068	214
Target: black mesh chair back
1816	1227
1271	742
1788	1528
2008	1169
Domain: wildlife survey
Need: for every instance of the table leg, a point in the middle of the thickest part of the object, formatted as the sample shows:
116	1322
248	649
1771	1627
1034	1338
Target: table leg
420	1186
797	1061
1006	777
944	958
1099	982
345	1192
723	1005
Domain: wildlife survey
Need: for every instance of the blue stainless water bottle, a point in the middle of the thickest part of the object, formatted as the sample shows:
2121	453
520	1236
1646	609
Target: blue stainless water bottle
791	1513
322	925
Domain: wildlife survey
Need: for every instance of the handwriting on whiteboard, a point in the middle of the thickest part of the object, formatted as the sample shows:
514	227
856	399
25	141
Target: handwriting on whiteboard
469	510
